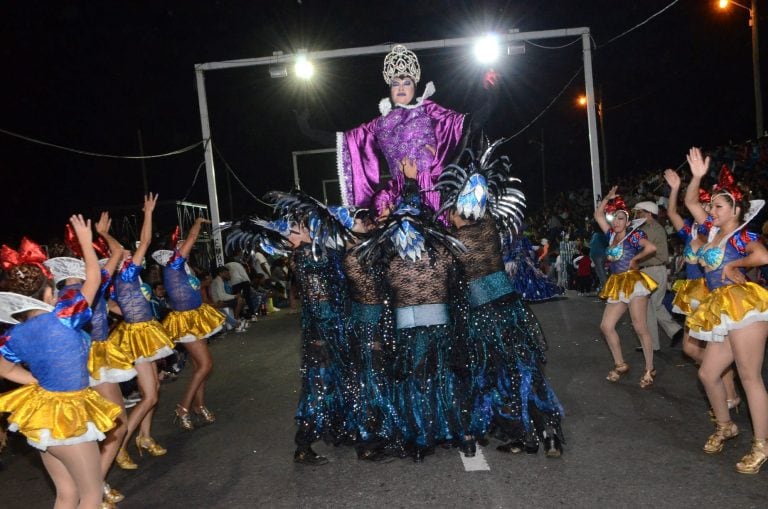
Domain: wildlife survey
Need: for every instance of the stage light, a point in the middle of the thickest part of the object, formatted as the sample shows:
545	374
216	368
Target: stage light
304	68
487	49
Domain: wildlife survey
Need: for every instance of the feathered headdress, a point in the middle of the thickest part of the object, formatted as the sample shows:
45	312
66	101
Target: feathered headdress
253	233
483	185
726	184
408	233
29	253
329	226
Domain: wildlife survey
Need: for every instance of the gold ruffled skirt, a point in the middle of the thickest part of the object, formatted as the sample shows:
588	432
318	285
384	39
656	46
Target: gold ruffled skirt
689	294
626	286
193	325
142	341
49	418
108	364
727	308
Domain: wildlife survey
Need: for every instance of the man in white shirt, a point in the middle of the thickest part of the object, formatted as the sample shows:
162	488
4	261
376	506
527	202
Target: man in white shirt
240	283
222	297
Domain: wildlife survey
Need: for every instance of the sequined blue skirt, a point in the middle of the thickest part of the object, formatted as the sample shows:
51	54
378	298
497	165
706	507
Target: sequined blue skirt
506	356
533	284
426	391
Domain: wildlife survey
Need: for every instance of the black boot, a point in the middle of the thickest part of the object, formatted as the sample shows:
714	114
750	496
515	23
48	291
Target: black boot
552	446
309	457
468	447
513	447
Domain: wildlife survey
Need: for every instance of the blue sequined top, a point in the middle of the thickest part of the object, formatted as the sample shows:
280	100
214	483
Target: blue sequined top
181	295
714	258
129	297
621	254
692	268
53	344
100	318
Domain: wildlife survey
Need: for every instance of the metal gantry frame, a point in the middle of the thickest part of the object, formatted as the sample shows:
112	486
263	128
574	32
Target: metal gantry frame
279	58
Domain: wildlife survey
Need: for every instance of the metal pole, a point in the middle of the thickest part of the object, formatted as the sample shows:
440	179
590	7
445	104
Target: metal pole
210	172
594	157
756	70
543	170
603	142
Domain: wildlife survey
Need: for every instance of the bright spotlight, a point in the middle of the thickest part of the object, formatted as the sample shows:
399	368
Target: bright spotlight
582	100
304	68
723	4
487	49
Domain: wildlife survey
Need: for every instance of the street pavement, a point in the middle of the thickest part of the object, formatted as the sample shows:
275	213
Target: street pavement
625	447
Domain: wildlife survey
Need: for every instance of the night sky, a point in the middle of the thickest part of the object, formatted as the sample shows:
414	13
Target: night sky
90	75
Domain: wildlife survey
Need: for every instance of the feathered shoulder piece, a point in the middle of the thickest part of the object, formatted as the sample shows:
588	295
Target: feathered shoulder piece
252	233
482	184
329	226
14	303
408	233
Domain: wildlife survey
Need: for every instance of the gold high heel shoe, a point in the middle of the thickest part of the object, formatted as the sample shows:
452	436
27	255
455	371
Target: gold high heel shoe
647	378
751	463
723	432
205	415
124	461
182	416
617	372
111	495
148	444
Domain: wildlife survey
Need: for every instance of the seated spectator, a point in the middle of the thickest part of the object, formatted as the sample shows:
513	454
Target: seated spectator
159	301
221	298
240	282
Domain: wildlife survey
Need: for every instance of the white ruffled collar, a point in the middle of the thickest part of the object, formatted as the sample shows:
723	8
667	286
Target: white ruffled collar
385	105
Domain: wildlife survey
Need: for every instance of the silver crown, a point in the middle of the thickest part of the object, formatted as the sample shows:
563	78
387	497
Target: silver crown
401	62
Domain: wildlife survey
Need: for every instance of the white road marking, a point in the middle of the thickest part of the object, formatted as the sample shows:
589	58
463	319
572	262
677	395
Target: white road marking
475	463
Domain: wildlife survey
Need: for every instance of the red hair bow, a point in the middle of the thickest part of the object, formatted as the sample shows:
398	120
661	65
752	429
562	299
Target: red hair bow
704	196
29	253
70	240
175	236
727	184
615	205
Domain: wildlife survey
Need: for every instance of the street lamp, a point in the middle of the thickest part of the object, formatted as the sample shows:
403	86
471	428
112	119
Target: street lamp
723	4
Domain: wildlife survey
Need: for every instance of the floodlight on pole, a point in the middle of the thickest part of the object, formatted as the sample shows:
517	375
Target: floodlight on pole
277	68
304	68
487	49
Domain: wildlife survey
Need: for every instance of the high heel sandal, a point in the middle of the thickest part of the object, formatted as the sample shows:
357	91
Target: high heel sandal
148	444
182	416
111	495
751	463
124	461
647	378
205	415
617	372
723	432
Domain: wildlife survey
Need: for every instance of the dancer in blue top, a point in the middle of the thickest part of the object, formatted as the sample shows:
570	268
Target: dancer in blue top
734	316
61	416
693	290
190	322
143	339
627	287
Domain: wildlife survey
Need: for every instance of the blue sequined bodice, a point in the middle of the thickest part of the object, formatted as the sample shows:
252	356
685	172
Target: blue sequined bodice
53	345
692	268
180	292
622	253
130	298
714	258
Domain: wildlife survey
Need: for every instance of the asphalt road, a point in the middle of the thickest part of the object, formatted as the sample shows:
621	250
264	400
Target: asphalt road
626	447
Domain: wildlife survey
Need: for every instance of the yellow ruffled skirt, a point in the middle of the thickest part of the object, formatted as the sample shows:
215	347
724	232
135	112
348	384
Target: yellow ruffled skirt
689	294
142	341
193	325
49	418
727	308
108	364
626	286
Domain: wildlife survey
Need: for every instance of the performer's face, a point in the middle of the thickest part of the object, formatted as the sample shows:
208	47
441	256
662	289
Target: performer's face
402	90
619	223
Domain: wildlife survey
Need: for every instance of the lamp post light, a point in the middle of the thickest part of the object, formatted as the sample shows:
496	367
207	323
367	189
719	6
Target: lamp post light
723	4
582	100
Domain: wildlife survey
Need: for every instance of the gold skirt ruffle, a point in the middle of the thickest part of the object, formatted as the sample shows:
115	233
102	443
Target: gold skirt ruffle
690	293
50	418
108	364
626	286
727	308
193	325
142	341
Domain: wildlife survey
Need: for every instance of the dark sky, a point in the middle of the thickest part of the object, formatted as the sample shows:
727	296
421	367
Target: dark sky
90	75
